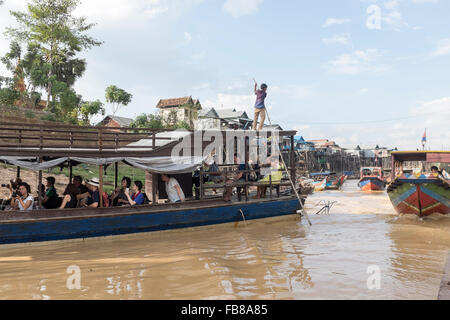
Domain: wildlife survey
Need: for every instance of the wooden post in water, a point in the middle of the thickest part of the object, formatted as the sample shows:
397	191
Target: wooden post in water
293	171
246	146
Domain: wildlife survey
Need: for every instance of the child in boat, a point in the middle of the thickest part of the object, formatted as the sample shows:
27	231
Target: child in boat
173	189
260	108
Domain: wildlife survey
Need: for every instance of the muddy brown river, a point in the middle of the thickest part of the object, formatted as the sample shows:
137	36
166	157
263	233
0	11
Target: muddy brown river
362	250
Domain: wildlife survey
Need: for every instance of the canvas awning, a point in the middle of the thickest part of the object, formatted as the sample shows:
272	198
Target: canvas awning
169	165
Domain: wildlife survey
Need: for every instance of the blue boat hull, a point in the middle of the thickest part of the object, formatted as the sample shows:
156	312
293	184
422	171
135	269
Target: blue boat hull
64	228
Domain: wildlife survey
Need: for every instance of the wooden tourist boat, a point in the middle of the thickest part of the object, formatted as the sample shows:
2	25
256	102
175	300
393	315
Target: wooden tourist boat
372	179
41	147
420	193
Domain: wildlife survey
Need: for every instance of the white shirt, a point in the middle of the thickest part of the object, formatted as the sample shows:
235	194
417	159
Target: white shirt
30	197
172	191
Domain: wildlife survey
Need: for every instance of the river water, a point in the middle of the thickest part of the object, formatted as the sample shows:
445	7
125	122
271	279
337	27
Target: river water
279	258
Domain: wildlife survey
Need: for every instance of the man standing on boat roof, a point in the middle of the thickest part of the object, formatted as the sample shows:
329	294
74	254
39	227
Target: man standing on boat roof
260	107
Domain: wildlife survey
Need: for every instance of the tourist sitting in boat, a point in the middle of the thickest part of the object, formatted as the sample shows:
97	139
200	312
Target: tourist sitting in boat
240	177
24	200
273	177
137	198
93	199
70	200
119	197
50	197
173	189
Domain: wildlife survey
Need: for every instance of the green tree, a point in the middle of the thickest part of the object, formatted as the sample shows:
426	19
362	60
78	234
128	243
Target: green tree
117	97
56	35
148	121
89	109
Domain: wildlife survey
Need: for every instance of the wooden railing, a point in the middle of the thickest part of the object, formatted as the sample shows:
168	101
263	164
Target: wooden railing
22	136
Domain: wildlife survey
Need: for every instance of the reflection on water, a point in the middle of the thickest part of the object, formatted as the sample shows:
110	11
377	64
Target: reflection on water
278	258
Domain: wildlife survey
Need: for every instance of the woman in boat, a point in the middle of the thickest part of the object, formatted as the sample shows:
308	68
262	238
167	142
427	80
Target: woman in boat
119	197
138	197
70	200
173	189
50	198
24	201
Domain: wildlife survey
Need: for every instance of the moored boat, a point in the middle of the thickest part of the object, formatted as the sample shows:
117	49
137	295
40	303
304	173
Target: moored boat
371	179
420	193
148	149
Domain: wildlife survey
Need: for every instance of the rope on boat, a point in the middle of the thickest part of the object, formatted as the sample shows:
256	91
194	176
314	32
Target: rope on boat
243	217
303	210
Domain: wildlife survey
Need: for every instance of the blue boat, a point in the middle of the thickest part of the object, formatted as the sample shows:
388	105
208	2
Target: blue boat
147	151
73	223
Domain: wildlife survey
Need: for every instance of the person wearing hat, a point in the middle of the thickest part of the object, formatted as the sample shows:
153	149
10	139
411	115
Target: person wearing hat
93	199
260	107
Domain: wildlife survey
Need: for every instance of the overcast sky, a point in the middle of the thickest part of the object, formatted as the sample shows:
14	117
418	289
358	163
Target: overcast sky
333	68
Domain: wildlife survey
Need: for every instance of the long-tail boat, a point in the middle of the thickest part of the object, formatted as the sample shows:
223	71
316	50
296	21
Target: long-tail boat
320	180
40	147
420	193
335	182
372	179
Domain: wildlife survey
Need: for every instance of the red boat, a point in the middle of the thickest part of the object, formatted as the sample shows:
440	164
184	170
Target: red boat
420	193
372	179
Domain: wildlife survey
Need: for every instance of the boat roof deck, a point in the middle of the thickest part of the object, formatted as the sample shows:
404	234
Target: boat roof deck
101	142
428	156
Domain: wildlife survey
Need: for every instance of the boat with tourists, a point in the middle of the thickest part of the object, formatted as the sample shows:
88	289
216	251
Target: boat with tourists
38	148
372	179
418	186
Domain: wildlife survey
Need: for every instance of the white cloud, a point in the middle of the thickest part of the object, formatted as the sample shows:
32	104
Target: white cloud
238	8
443	48
230	101
187	37
360	61
332	21
344	39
